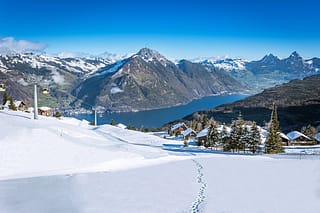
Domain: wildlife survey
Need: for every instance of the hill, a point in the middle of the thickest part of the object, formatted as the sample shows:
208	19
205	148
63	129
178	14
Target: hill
298	104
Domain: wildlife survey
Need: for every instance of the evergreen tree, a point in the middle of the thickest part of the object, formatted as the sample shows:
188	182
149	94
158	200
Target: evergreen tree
244	138
309	130
223	136
234	137
112	122
213	135
255	139
5	98
11	104
204	121
142	128
273	143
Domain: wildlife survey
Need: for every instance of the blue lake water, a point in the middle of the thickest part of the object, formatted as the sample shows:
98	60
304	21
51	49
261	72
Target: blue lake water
159	117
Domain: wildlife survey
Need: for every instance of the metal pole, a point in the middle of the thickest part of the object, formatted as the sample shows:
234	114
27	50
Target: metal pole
95	117
35	103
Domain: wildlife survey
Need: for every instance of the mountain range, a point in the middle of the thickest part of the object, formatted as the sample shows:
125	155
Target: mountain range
145	80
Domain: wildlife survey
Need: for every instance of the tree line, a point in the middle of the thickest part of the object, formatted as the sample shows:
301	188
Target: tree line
243	136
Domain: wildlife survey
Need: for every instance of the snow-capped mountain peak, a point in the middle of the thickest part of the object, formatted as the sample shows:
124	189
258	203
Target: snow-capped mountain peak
150	55
227	64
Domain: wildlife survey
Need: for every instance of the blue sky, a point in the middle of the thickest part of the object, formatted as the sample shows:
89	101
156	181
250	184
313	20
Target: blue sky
177	29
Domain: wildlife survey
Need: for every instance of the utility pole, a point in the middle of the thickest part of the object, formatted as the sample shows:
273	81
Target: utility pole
35	103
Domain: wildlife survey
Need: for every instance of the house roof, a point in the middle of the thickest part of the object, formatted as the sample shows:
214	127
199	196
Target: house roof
295	134
16	103
187	132
122	126
178	125
44	108
282	135
202	133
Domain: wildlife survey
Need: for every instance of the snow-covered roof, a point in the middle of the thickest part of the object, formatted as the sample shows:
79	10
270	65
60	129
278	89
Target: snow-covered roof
295	134
44	108
16	103
202	133
317	137
178	125
187	132
122	126
282	135
220	128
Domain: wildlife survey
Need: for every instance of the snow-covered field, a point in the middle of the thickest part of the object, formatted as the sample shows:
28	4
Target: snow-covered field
66	165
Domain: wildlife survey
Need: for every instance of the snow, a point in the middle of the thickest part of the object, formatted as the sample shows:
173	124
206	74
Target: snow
122	126
317	137
45	108
113	69
203	133
115	90
52	165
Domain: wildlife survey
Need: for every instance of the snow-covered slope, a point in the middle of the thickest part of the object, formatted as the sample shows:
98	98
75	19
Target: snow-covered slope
49	146
109	169
35	61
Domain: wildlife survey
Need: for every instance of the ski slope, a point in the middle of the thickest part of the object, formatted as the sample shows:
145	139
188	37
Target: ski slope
66	165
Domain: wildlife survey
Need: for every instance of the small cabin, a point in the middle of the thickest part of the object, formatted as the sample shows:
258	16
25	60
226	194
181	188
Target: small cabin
298	138
178	128
188	134
284	139
317	137
20	105
45	111
122	126
202	136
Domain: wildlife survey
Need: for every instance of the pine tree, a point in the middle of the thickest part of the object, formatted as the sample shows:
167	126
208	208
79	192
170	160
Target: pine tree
273	144
255	139
11	104
223	136
244	138
204	121
234	136
213	135
142	128
112	122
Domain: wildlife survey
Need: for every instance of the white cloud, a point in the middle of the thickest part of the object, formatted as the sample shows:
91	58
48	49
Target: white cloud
9	45
57	78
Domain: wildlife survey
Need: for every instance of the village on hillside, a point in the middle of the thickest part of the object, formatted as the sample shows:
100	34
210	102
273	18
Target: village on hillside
240	136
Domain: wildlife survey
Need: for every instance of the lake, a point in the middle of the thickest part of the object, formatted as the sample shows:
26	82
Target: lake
157	118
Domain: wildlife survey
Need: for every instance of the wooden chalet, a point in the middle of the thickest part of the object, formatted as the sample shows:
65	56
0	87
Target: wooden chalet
178	128
284	139
46	111
188	134
297	138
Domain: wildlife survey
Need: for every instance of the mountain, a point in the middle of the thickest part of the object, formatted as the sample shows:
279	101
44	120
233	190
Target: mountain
147	80
20	71
269	71
298	104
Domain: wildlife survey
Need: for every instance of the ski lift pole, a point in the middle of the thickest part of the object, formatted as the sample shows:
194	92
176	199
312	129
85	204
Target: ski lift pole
35	103
95	116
